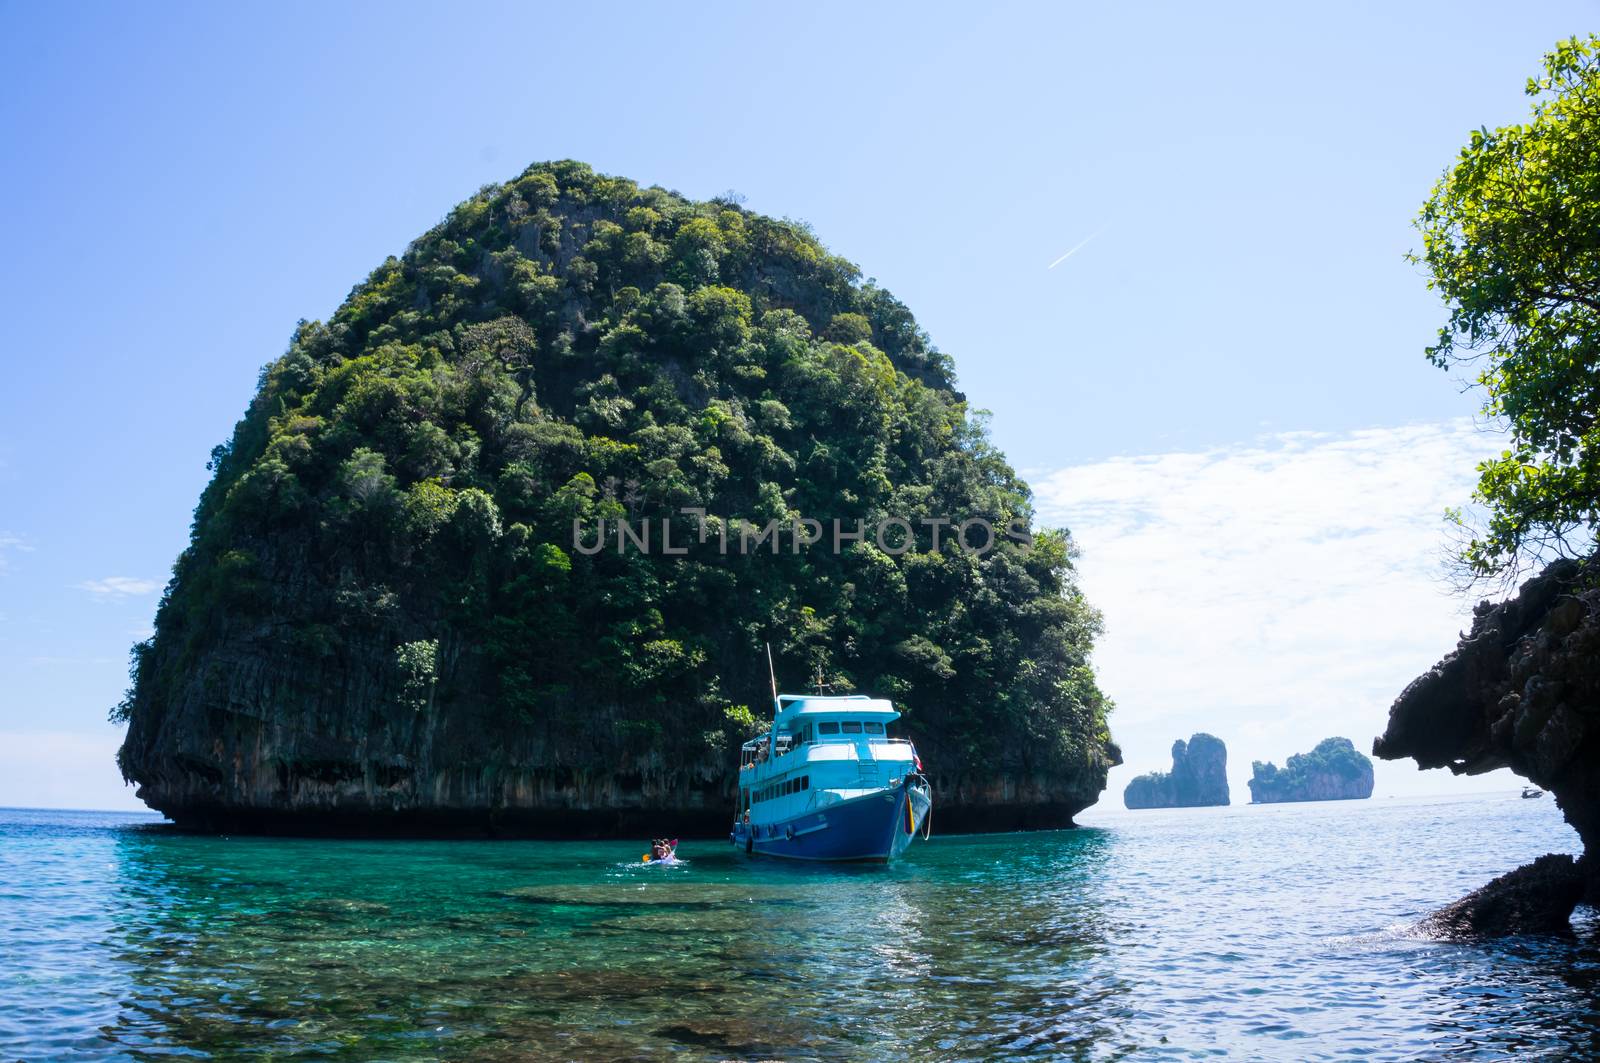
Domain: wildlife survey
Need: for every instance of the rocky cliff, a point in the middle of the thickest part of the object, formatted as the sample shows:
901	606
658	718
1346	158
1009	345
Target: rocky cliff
1333	771
497	547
1199	776
1520	691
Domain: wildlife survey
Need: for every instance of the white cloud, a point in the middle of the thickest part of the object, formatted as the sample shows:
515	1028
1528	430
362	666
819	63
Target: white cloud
11	544
1273	593
119	586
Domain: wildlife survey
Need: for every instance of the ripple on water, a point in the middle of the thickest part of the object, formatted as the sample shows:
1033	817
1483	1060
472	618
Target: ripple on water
1259	932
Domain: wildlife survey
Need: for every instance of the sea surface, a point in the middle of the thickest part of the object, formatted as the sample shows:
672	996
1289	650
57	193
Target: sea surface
1255	932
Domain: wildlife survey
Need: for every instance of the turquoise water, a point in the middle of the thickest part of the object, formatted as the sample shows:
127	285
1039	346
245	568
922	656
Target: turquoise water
1258	932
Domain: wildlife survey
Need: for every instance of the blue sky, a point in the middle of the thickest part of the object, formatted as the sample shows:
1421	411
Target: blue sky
1242	333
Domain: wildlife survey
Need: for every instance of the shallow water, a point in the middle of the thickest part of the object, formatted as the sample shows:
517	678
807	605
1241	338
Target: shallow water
1258	932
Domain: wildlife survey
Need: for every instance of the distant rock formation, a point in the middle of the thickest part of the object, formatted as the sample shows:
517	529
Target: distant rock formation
1520	691
1199	777
1333	771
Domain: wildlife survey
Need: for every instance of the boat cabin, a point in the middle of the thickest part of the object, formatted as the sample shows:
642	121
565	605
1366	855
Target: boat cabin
822	748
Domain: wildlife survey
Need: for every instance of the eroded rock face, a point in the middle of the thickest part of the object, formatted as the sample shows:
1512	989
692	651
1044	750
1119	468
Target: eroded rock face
1333	771
1199	777
1537	898
1520	691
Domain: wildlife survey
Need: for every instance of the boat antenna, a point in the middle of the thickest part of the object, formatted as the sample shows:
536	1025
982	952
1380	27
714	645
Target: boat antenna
773	675
772	732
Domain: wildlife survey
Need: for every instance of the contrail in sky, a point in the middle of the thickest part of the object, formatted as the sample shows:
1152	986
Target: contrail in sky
1076	248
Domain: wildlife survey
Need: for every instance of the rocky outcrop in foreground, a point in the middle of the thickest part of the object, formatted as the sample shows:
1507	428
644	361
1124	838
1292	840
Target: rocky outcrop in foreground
1199	777
1333	771
1520	691
1537	898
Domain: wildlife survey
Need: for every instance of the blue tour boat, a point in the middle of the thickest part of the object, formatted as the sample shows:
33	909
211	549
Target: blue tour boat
828	783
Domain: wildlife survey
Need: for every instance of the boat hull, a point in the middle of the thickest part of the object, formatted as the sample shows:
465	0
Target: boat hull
874	828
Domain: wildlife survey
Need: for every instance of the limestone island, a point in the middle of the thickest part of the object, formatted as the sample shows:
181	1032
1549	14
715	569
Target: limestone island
498	548
1333	771
1199	777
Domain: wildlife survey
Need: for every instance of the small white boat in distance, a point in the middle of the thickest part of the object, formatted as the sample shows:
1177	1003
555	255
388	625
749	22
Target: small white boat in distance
828	783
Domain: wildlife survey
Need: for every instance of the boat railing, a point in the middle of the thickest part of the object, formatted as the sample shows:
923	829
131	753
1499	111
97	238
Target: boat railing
754	752
873	741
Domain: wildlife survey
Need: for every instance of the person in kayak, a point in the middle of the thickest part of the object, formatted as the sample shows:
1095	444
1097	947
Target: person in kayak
662	848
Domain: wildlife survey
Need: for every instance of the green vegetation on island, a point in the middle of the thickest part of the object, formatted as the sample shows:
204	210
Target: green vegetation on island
383	608
1333	771
1511	239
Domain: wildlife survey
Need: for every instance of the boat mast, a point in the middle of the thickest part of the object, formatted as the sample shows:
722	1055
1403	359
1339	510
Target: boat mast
772	732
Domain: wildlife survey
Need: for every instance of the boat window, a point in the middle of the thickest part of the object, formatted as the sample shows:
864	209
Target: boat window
851	727
874	728
827	727
805	782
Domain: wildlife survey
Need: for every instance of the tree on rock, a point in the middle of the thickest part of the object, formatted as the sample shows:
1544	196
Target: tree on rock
1511	239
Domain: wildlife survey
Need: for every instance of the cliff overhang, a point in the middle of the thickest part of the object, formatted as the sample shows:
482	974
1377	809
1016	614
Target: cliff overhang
1521	690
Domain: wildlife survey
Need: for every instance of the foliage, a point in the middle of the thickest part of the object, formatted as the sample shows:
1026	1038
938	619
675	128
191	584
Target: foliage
418	665
1332	756
136	662
1511	239
572	347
